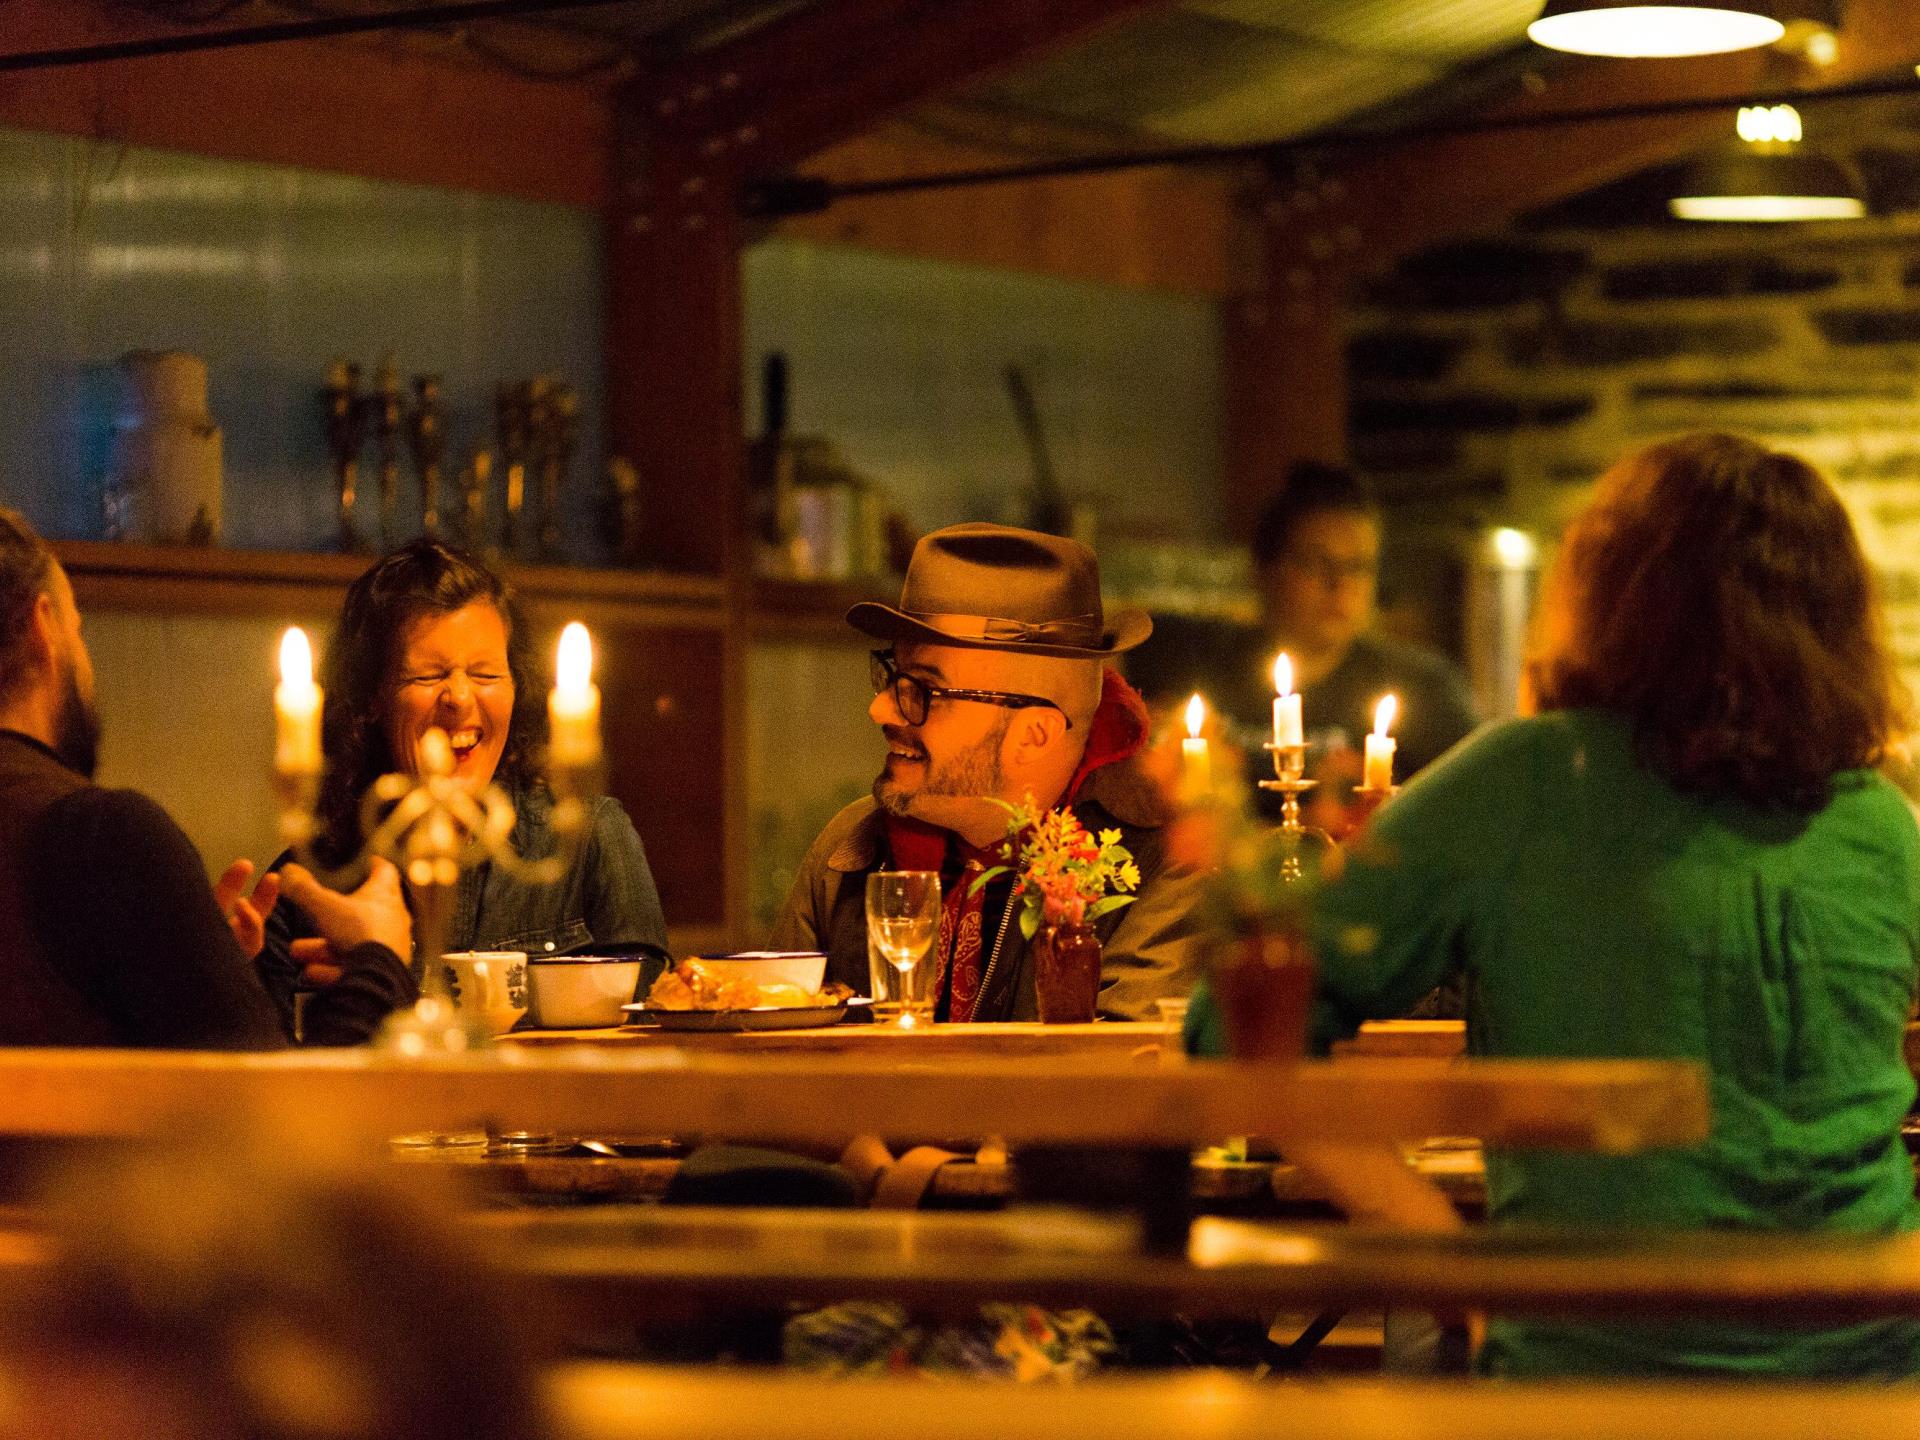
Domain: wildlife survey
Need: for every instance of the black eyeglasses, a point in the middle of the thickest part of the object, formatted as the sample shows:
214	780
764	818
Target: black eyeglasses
913	695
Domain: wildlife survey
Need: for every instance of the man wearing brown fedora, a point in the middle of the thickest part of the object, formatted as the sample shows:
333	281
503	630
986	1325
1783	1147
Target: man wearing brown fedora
991	685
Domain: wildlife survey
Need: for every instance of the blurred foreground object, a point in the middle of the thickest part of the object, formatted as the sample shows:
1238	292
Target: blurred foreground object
227	1289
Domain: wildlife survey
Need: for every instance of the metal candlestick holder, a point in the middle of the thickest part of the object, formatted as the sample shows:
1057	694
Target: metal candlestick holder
385	401
346	416
475	479
557	442
1367	799
433	828
427	441
1290	782
513	407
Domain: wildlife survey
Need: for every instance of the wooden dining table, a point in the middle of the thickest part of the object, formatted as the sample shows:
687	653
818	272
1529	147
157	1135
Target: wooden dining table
1611	1106
1441	1039
1103	1039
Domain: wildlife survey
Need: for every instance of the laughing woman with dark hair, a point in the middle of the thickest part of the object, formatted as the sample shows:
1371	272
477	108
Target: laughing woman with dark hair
430	638
1685	852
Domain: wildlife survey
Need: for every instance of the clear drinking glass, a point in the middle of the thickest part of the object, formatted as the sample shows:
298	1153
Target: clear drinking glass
903	918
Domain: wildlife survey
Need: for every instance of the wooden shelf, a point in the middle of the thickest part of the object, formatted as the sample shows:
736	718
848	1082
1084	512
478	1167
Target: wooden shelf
813	610
209	579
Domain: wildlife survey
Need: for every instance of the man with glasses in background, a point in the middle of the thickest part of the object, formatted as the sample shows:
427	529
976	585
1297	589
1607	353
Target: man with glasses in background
992	685
1316	561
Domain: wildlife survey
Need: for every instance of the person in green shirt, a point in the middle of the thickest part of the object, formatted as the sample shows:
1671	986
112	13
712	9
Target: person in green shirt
1683	851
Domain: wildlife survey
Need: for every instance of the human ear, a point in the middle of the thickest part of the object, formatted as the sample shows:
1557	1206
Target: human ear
43	635
1035	730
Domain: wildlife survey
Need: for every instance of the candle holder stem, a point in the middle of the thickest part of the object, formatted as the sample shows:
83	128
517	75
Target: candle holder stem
1290	768
433	922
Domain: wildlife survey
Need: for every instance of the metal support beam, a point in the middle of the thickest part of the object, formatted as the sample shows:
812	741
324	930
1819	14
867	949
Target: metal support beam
322	28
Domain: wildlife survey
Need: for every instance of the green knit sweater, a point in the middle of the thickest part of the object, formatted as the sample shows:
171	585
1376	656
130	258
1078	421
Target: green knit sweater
1596	911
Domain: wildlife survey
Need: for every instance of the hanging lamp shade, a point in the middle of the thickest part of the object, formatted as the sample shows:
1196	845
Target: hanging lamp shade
1654	28
1745	183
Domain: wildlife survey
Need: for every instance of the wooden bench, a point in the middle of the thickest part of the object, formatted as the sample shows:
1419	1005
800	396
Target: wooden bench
630	1263
612	1402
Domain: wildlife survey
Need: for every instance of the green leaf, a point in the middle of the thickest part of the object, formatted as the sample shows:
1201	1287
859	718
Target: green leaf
1106	906
986	875
1029	921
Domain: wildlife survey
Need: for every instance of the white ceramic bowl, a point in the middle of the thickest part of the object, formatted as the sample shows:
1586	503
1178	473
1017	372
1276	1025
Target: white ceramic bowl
805	968
581	992
489	986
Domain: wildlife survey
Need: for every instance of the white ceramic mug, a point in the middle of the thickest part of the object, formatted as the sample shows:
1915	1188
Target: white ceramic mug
490	985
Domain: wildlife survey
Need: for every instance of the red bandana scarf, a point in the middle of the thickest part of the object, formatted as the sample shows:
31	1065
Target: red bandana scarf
1118	732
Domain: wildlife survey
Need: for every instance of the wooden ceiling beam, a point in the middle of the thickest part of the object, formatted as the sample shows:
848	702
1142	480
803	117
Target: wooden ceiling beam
372	108
836	69
1168	230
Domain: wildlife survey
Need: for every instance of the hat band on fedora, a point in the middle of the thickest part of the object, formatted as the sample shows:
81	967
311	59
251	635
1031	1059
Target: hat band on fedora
1076	630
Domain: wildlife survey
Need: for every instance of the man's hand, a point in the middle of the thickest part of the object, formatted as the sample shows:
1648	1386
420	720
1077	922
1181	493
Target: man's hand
246	914
377	911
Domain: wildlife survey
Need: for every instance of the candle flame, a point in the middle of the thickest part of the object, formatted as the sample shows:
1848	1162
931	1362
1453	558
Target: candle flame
574	671
1283	675
296	661
1196	716
1383	714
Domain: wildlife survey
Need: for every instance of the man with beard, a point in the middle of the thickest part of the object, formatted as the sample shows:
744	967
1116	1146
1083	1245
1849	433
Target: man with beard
992	687
109	934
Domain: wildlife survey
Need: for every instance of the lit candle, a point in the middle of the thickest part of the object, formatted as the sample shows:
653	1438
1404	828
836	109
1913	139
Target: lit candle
1196	768
574	706
1378	773
296	706
1286	706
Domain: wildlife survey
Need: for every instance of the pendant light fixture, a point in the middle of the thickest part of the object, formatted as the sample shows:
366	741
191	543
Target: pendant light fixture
1768	175
1654	28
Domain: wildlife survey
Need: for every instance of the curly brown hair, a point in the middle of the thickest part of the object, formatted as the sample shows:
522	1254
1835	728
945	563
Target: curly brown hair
1715	593
26	573
423	577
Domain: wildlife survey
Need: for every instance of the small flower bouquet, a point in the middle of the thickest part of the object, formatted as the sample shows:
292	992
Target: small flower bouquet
1066	875
1262	881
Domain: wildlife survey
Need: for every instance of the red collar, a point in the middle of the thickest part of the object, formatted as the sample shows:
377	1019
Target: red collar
1117	732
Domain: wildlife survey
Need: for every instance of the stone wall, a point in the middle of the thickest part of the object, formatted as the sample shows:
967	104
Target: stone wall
1492	381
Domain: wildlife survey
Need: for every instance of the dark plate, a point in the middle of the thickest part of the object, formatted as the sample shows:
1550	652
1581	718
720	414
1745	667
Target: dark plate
768	1017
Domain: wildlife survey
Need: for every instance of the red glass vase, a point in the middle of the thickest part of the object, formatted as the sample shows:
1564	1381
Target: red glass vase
1264	985
1066	973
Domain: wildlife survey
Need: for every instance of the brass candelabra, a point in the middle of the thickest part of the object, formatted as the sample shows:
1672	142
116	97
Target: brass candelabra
1290	782
433	828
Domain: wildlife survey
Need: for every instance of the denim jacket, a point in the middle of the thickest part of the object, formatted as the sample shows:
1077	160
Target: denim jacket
607	898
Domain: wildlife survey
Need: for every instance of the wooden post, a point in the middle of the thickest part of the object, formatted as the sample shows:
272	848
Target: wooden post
1284	382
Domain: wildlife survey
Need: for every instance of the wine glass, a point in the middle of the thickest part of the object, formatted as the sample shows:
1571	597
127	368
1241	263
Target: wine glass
903	917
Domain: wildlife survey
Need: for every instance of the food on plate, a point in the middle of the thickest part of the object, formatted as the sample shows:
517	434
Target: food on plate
691	985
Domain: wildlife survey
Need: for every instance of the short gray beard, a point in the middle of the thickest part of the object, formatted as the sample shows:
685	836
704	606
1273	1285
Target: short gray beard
973	773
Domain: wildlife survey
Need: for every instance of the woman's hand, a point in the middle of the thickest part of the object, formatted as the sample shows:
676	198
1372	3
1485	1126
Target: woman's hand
246	914
377	911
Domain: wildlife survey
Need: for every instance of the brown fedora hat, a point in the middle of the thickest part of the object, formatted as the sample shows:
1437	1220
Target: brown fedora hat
991	587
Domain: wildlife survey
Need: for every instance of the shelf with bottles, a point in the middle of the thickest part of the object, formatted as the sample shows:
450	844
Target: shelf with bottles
210	579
